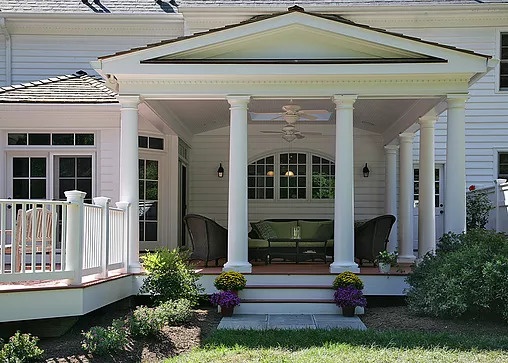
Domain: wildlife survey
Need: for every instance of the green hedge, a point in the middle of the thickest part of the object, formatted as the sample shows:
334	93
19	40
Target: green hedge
467	278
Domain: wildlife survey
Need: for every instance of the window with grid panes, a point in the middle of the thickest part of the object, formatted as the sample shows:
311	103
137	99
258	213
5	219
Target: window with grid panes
417	186
323	178
503	64
260	178
293	176
503	165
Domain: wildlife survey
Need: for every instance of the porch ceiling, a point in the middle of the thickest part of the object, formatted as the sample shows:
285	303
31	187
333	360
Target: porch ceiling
383	116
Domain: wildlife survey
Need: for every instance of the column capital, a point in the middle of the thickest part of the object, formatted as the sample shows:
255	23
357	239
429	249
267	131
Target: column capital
129	101
406	137
391	149
427	121
238	101
455	100
344	101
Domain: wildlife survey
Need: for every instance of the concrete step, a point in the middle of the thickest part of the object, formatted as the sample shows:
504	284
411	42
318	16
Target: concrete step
289	307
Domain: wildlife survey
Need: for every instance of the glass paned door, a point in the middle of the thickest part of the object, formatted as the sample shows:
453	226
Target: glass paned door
29	177
74	173
148	200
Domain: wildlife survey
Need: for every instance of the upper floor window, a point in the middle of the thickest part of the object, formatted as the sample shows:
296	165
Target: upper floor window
148	142
47	139
503	66
503	165
291	175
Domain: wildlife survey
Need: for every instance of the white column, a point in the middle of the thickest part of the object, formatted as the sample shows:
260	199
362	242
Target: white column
455	176
391	192
238	219
426	203
343	251
406	201
129	174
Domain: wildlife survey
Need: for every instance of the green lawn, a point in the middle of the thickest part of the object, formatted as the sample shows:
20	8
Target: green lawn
347	346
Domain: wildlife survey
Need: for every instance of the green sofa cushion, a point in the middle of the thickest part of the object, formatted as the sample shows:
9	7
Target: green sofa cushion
316	229
282	229
265	230
258	243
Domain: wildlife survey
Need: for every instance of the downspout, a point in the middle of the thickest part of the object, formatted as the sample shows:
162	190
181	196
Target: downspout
8	52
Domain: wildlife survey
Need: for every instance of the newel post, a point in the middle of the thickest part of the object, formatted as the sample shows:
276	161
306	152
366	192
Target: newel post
103	202
126	248
75	235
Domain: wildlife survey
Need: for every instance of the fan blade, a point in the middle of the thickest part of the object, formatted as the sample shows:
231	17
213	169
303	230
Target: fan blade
306	116
270	132
312	133
299	135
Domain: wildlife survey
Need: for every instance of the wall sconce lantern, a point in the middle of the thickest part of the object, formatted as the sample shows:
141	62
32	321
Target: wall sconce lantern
220	171
366	171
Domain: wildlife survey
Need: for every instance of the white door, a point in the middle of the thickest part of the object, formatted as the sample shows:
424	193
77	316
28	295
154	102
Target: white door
439	180
149	208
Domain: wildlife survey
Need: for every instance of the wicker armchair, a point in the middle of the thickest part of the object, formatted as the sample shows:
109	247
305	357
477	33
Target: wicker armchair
372	237
209	239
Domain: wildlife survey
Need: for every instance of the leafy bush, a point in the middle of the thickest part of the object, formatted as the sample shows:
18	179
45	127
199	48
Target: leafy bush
230	281
169	276
100	340
21	348
478	206
347	278
147	321
466	279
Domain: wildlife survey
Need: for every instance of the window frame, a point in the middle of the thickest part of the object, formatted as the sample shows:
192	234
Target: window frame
497	159
499	38
308	175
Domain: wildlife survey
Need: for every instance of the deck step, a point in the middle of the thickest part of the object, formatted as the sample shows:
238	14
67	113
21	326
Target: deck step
278	292
289	307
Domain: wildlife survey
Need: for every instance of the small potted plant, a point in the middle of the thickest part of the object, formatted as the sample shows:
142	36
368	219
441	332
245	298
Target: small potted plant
348	298
226	300
385	260
347	278
230	281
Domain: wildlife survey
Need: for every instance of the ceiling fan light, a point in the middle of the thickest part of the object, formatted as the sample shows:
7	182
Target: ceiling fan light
270	173
289	173
289	137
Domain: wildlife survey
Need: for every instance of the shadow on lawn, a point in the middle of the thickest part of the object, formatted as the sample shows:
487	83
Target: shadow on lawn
302	339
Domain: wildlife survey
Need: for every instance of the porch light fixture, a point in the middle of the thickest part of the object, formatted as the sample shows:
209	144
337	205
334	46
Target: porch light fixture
366	171
220	171
270	173
289	173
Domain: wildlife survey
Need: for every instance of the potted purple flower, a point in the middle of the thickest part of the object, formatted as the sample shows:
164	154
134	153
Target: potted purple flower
226	300
348	298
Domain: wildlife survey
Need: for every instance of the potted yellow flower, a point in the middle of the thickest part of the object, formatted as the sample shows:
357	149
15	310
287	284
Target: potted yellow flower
230	281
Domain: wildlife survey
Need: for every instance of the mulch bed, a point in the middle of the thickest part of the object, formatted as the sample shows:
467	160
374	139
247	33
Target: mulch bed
177	340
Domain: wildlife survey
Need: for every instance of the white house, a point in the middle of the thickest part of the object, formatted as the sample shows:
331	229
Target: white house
416	91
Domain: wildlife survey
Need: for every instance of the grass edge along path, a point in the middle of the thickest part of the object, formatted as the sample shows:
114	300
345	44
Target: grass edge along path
346	346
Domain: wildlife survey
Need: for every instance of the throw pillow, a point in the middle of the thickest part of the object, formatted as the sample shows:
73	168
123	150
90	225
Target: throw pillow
325	231
264	230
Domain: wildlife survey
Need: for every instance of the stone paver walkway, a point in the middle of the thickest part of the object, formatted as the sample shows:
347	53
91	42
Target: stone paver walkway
291	321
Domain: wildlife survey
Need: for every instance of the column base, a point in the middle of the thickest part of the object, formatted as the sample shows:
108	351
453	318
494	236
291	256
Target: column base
243	267
338	267
135	268
406	259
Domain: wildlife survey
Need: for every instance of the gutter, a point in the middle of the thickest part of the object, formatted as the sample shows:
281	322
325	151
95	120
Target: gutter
8	52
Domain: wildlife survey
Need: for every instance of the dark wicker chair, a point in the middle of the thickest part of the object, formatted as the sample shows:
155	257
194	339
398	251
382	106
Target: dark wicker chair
372	237
209	239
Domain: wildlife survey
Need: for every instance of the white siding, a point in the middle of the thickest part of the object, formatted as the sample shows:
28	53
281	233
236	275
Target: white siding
486	109
108	161
39	57
208	194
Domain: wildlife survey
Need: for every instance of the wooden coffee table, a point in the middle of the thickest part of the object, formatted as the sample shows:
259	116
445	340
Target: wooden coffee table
301	249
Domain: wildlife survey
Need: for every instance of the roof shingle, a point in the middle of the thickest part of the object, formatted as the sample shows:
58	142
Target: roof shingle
74	88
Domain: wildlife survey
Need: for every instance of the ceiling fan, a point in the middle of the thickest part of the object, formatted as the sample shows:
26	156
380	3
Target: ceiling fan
292	113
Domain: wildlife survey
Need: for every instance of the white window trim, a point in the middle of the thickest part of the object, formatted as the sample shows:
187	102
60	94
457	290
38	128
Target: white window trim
498	66
495	158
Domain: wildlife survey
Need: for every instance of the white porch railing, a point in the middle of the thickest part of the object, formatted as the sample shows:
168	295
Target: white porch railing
498	195
61	240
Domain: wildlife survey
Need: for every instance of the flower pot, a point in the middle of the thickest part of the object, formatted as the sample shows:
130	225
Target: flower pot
384	267
348	310
227	310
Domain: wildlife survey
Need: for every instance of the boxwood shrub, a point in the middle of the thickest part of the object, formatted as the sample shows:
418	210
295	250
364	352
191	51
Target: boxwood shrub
466	278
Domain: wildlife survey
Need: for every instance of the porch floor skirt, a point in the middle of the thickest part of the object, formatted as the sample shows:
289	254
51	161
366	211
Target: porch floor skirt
348	311
227	310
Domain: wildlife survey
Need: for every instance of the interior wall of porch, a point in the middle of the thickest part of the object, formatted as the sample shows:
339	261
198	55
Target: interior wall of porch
208	194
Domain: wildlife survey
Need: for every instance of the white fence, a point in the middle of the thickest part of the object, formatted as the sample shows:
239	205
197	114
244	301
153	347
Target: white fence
55	240
498	195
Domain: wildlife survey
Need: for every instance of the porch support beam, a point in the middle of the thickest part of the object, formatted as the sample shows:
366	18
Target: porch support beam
455	182
426	203
391	192
129	175
238	219
344	258
406	201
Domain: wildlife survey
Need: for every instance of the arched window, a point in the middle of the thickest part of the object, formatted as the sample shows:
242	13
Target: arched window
291	175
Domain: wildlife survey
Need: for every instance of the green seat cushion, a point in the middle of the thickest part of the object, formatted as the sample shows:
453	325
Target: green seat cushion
316	229
258	243
329	243
282	229
283	244
305	244
264	230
